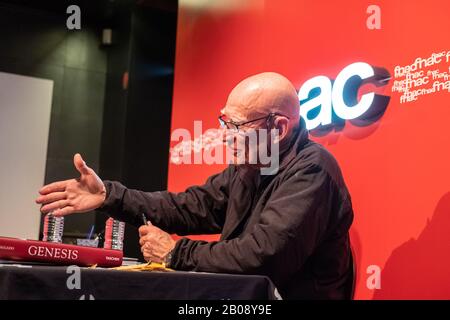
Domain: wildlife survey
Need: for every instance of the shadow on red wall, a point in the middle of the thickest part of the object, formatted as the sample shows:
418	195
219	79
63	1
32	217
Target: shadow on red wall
420	269
356	245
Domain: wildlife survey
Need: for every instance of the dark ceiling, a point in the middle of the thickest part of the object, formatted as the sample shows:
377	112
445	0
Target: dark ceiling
93	10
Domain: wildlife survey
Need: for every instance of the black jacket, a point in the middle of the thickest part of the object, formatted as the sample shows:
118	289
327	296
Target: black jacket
291	226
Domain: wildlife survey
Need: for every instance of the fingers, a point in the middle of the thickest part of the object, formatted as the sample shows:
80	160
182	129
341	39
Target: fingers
54	206
80	164
144	239
149	255
146	253
143	230
64	211
54	187
52	197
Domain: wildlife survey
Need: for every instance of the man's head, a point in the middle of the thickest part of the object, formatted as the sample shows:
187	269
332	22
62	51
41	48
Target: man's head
269	97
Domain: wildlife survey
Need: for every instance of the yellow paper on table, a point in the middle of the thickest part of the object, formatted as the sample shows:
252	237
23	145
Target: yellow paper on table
150	266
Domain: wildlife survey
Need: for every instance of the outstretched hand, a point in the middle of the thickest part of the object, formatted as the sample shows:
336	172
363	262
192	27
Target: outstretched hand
83	194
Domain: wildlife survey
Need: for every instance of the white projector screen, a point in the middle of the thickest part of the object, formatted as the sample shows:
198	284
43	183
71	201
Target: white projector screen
25	107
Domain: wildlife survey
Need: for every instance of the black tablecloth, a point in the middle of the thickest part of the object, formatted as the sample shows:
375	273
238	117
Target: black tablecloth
59	282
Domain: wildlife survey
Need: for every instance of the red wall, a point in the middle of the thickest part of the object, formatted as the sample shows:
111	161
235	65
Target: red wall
397	169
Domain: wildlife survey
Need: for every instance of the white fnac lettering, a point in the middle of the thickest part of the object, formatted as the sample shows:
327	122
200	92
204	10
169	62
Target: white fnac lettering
332	96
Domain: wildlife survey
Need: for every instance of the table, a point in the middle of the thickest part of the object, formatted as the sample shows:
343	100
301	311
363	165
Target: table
71	282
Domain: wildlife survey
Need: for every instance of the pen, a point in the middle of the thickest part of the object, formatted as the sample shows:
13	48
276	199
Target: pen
144	219
100	235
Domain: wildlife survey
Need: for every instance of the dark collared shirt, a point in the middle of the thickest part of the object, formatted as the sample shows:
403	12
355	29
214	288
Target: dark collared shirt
291	226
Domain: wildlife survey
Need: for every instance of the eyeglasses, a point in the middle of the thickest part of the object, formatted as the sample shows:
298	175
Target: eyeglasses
234	126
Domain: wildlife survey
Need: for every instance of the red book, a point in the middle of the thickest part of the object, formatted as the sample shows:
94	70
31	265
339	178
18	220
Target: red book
58	253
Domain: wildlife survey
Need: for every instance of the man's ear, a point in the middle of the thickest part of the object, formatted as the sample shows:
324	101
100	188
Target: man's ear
282	124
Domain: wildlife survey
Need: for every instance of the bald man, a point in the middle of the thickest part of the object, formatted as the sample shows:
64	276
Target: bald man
291	226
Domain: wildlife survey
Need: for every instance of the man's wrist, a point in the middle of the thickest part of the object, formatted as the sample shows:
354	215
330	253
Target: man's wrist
168	258
105	193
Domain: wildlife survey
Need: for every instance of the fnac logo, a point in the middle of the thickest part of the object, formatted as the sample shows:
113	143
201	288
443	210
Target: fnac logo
326	104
